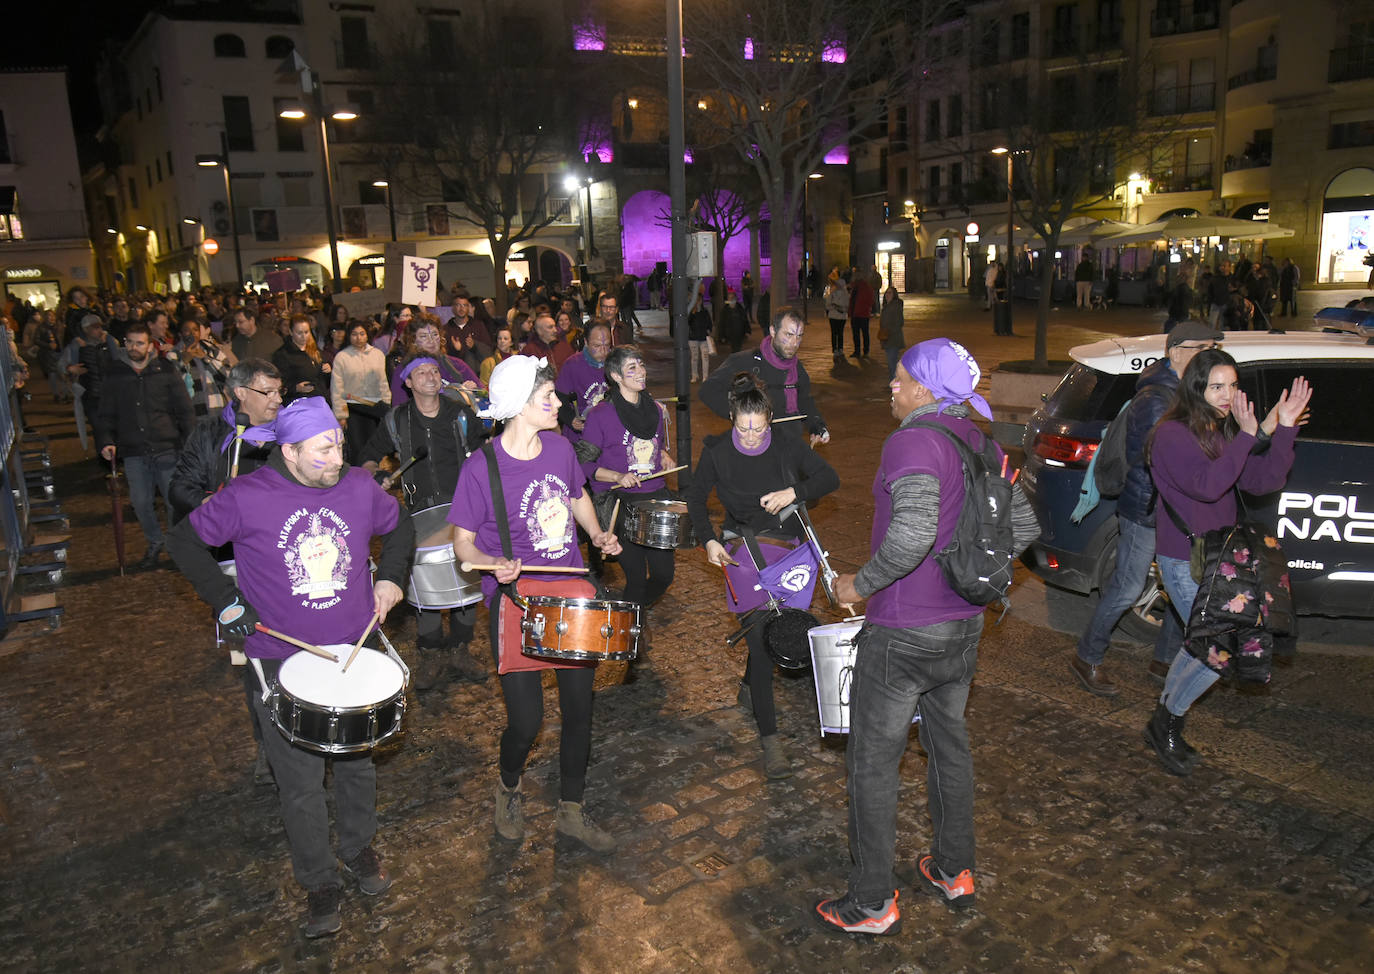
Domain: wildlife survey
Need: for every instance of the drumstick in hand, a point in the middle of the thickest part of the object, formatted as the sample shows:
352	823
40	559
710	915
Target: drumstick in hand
664	473
308	647
359	644
788	419
470	566
615	513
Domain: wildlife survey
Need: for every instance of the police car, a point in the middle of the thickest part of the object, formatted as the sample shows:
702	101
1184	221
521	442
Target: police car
1324	515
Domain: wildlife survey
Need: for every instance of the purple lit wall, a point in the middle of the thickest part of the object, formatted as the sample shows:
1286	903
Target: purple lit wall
838	156
748	49
596	140
589	36
832	52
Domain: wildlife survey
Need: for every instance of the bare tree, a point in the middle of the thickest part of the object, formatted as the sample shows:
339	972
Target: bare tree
494	127
786	81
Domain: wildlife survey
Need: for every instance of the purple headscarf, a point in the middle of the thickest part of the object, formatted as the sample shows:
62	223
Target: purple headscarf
948	371
303	419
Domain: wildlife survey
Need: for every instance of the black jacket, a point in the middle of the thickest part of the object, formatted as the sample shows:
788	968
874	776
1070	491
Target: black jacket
143	413
715	392
297	367
450	437
202	469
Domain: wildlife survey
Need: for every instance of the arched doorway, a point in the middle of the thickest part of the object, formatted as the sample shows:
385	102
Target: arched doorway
1347	237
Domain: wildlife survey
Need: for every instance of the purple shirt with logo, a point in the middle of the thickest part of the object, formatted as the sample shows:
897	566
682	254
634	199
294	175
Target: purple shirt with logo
922	598
622	451
578	377
539	494
301	552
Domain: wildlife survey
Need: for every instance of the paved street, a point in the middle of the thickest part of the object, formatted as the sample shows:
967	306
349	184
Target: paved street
132	836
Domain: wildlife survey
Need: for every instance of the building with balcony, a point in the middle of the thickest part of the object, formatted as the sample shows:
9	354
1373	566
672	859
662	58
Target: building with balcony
45	245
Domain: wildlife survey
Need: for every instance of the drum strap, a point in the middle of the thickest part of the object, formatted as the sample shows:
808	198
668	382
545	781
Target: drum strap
498	503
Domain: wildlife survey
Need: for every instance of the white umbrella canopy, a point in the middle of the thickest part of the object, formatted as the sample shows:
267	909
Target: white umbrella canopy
1188	227
1092	232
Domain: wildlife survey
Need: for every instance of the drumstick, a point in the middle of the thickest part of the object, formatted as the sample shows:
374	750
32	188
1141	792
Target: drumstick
788	419
664	473
359	644
308	647
469	566
615	513
730	585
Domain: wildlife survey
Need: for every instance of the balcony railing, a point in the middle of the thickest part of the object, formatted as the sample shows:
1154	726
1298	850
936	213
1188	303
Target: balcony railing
46	225
1183	99
1184	179
1183	18
558	207
1351	63
1258	160
1265	72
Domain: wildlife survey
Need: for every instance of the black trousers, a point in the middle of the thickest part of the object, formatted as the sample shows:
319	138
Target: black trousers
758	675
859	326
524	694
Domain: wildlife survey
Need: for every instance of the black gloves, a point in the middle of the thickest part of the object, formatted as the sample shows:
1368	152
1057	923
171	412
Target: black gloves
237	619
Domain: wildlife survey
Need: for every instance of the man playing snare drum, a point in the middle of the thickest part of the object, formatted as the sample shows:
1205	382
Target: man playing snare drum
448	431
301	527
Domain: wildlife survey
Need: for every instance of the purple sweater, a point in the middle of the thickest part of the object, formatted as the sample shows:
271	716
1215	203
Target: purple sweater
1198	487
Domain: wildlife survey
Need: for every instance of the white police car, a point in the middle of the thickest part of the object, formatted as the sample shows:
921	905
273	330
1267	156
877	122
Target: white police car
1324	515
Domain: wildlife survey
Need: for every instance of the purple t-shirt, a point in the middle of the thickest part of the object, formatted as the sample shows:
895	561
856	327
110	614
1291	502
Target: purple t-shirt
539	494
301	552
578	377
621	450
922	598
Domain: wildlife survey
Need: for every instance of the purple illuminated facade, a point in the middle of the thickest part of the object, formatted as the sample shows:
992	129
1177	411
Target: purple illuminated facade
589	36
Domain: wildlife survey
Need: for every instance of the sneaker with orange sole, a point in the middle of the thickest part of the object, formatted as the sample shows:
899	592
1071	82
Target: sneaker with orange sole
848	914
957	891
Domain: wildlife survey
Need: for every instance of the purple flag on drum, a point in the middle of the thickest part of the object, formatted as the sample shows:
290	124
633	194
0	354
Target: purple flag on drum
793	577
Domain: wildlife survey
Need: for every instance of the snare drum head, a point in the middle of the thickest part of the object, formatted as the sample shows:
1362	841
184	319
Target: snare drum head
667	506
372	678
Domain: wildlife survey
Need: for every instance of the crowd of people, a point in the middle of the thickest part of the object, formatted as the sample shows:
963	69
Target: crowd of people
275	428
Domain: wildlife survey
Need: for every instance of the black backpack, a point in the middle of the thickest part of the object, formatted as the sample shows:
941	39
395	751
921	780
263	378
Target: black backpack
1110	465
977	562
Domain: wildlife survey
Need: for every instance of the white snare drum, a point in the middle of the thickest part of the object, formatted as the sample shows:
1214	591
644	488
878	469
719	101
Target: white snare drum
833	649
659	524
321	708
435	581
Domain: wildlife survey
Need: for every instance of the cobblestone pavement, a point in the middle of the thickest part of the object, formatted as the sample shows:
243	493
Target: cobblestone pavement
133	838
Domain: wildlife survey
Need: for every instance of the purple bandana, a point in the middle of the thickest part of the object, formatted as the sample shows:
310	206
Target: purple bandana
948	371
785	365
257	435
414	364
303	419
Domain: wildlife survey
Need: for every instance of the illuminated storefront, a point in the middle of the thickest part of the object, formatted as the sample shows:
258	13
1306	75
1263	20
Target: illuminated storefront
1347	236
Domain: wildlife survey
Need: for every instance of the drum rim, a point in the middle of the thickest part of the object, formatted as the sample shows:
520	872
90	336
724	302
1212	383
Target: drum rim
663	502
581	655
580	603
318	748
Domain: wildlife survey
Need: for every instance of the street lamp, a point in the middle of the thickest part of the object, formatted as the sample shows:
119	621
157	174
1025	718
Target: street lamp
209	161
806	254
390	210
310	85
1002	312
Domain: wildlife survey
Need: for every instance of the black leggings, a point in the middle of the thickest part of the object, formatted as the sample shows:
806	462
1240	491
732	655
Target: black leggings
758	675
836	334
859	326
648	571
524	693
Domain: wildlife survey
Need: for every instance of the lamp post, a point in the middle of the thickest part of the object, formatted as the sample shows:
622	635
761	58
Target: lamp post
310	85
1002	312
806	253
390	209
222	160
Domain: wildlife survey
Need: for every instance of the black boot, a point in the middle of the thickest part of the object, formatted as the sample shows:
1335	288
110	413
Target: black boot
432	664
1164	733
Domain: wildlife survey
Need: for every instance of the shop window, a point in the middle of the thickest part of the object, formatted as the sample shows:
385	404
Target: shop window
277	47
229	45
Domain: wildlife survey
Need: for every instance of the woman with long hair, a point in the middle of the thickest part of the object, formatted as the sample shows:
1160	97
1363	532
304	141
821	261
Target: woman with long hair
1206	448
303	370
504	349
755	475
630	436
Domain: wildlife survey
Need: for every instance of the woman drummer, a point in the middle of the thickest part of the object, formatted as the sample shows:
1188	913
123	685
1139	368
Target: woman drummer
755	475
541	488
628	434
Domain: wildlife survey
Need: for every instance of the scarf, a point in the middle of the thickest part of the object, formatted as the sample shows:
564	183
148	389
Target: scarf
789	369
762	447
641	419
587	355
257	435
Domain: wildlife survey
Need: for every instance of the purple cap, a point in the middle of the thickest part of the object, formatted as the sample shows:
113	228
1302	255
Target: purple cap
303	419
947	370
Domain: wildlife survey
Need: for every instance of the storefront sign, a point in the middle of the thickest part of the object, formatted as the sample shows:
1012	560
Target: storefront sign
23	273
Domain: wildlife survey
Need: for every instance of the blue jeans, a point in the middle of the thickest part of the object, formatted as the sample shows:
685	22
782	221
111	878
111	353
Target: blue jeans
1135	551
147	476
894	356
899	673
1188	678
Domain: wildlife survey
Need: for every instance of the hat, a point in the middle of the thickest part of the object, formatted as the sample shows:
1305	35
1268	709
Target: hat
1191	331
303	419
89	320
512	382
414	364
948	371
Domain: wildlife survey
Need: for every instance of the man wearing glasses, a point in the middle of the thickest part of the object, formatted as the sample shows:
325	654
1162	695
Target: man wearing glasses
1155	391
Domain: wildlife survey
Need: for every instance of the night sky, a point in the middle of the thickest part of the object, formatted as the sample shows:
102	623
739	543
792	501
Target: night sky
45	34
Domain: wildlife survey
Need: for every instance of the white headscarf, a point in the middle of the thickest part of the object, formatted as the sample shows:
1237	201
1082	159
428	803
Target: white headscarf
510	387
